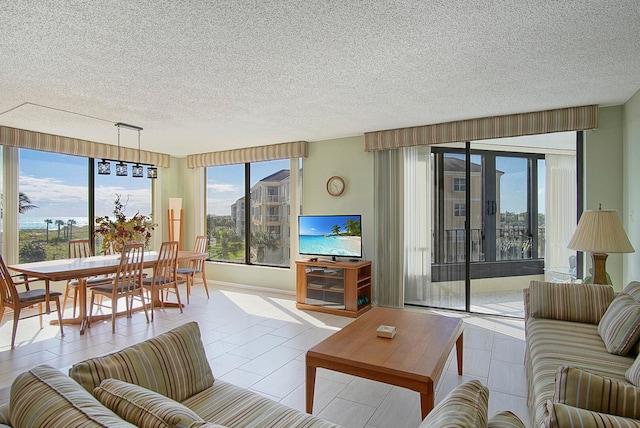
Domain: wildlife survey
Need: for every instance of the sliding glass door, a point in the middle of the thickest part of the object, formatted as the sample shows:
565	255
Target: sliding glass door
488	223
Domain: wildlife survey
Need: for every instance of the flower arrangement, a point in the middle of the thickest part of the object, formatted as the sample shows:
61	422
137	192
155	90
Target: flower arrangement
120	230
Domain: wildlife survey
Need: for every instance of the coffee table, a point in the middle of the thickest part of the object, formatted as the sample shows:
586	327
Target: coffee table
414	358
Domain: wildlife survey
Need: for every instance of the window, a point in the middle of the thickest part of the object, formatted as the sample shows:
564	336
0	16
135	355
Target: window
459	184
268	195
459	209
53	204
135	194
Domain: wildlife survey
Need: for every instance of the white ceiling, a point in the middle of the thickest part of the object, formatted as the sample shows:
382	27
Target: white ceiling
201	76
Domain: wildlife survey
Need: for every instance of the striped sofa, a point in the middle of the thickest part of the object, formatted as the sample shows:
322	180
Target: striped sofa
165	381
581	347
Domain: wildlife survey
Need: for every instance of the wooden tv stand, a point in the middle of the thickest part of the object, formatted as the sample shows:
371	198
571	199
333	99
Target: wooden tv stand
339	288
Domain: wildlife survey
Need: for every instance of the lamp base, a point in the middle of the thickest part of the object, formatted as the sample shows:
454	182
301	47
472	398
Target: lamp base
599	268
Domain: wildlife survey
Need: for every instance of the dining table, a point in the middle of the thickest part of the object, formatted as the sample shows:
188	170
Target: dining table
86	267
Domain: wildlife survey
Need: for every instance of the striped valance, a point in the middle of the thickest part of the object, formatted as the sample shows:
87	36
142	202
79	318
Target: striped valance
513	125
25	139
295	149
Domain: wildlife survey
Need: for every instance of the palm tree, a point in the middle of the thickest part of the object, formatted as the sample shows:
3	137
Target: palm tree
263	241
59	223
353	227
70	223
48	221
24	203
336	229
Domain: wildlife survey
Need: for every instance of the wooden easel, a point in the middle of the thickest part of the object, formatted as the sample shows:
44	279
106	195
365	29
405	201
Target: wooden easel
172	227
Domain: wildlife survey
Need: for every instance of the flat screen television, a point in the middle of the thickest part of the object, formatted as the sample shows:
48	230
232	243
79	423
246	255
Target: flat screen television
330	236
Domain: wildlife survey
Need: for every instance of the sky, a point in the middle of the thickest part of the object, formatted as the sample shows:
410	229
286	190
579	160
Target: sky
58	185
225	184
321	225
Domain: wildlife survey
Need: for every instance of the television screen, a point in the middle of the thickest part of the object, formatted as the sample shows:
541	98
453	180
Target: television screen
330	235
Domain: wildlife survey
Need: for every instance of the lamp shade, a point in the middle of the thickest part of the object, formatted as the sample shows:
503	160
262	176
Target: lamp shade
600	232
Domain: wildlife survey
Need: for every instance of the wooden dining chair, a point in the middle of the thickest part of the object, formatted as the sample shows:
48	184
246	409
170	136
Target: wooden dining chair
195	267
164	276
127	284
13	299
79	248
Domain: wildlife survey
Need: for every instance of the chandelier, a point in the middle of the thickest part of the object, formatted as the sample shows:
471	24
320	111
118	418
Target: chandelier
137	171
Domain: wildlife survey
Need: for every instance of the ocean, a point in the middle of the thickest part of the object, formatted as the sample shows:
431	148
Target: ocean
35	222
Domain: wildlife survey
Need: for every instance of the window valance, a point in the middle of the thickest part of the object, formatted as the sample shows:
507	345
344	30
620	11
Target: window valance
513	125
295	149
25	139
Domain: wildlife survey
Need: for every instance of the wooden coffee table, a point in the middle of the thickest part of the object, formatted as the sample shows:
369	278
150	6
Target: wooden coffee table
413	359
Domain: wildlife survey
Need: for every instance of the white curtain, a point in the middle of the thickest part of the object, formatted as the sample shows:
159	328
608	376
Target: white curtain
417	223
560	210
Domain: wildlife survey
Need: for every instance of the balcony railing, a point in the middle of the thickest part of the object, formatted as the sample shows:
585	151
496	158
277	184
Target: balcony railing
512	243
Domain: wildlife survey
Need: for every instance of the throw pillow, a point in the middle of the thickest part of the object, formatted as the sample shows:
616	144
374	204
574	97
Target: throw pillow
465	406
142	407
633	290
578	388
619	327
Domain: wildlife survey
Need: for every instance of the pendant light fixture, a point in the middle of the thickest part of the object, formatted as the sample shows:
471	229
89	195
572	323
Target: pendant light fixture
137	170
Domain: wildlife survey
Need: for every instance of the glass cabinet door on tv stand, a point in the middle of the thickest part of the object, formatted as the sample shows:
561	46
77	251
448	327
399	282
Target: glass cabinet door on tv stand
340	288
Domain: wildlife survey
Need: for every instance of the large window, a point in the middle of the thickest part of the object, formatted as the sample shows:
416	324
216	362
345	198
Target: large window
53	204
55	200
267	188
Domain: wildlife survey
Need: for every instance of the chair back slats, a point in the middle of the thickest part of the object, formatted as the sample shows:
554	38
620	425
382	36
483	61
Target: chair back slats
79	248
164	271
129	274
200	246
8	293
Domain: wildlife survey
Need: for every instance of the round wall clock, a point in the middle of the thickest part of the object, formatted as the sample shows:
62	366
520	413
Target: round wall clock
335	185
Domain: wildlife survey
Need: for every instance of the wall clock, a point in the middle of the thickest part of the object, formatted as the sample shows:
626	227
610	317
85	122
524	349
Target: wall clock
335	185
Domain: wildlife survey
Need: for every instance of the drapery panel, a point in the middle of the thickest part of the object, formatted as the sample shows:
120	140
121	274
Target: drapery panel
512	125
295	149
389	233
25	139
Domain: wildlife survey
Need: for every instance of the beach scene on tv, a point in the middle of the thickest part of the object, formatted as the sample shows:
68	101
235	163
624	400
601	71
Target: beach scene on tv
331	235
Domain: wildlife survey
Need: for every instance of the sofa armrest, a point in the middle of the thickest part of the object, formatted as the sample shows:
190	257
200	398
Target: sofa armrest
578	388
465	406
562	415
505	419
4	414
569	302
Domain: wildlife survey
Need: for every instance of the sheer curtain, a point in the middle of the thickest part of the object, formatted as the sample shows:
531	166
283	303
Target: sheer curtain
560	210
417	223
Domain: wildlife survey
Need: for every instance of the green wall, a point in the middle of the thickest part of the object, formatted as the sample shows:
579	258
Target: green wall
603	175
631	183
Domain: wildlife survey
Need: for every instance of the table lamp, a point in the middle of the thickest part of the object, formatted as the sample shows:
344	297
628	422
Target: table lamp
600	232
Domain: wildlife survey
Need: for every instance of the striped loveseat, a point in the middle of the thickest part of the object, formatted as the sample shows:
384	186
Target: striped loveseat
581	366
165	381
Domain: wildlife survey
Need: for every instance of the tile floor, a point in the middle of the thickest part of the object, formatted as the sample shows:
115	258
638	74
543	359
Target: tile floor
258	340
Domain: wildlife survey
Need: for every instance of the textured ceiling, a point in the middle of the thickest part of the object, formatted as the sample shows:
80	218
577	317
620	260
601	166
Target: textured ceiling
203	76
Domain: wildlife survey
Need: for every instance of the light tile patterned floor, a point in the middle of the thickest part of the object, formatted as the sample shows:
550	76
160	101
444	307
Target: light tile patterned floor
258	341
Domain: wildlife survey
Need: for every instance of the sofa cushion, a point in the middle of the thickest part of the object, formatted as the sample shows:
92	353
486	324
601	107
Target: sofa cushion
561	415
620	325
633	290
465	406
173	364
633	372
233	406
44	396
144	408
579	388
505	419
569	302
